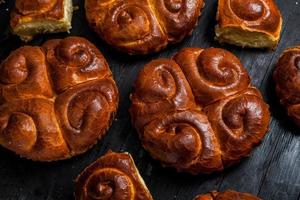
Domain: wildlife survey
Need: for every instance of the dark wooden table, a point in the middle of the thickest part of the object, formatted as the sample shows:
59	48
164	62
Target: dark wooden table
271	172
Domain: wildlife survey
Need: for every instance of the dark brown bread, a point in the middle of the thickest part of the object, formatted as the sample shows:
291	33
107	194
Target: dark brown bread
113	176
141	26
55	101
287	79
226	195
198	112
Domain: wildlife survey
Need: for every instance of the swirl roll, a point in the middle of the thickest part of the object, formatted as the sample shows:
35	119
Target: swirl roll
184	140
142	27
24	75
86	111
160	87
74	60
212	73
228	194
113	176
198	112
241	122
55	101
286	77
29	128
178	17
250	23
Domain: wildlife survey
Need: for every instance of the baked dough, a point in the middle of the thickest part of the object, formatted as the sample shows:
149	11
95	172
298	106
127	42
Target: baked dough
32	17
249	23
113	176
198	112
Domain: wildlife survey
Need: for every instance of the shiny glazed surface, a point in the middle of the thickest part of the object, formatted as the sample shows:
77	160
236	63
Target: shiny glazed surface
55	100
252	15
143	26
287	79
113	176
198	112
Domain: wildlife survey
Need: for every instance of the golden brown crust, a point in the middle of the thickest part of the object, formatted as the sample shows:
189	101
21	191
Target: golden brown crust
226	195
55	101
32	17
286	77
198	112
143	26
29	10
113	176
251	16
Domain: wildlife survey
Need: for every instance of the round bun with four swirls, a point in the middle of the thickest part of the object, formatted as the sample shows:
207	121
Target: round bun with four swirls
198	112
142	26
113	176
55	100
287	79
249	23
226	195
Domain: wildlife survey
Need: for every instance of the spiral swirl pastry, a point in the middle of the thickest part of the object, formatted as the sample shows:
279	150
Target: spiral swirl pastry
240	121
85	112
55	101
142	27
178	17
24	75
259	20
113	176
29	128
286	77
212	73
214	122
228	194
74	60
162	87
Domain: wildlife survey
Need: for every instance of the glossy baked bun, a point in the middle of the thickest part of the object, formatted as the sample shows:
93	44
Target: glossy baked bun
31	17
287	79
113	176
226	195
55	100
142	26
249	23
198	112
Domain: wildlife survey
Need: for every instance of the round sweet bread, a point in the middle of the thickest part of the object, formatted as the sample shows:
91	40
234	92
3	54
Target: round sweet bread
55	100
287	79
141	26
226	195
198	112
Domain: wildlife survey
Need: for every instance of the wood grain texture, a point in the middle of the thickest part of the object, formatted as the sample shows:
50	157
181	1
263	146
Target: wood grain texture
272	171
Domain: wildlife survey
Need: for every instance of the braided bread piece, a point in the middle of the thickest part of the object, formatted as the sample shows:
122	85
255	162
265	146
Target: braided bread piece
198	112
249	23
142	26
226	195
113	176
286	77
55	101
